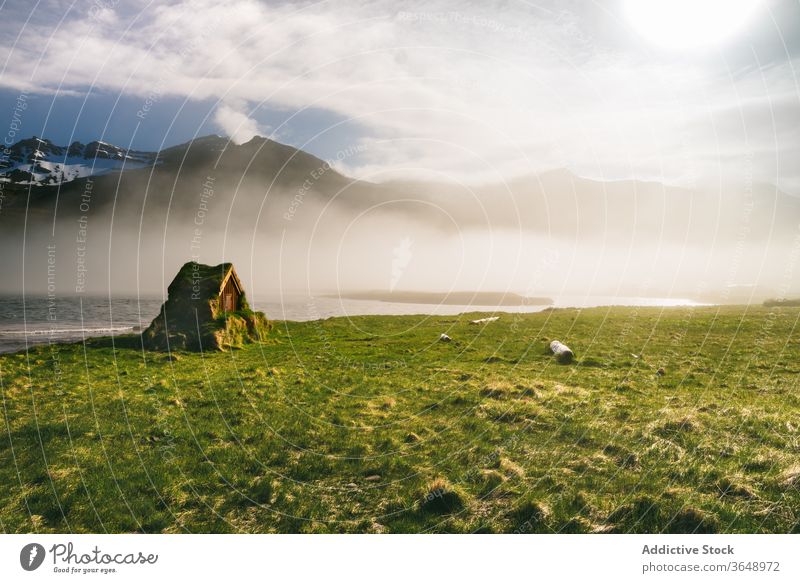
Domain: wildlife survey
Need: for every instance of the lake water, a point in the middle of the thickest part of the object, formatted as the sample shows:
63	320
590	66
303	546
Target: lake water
37	320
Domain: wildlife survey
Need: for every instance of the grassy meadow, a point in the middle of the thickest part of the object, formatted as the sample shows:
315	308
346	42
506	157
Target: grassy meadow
669	420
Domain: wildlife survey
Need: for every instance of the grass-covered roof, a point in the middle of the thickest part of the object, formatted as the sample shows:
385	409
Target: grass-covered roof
202	282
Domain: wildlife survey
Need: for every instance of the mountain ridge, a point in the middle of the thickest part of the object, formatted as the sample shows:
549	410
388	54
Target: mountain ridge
264	183
38	161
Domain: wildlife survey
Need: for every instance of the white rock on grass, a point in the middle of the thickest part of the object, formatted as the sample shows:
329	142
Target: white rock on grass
562	352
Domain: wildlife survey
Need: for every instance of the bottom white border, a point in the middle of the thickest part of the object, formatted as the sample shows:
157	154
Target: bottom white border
406	558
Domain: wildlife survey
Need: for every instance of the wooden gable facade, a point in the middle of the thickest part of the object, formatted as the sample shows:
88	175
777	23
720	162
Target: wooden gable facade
230	292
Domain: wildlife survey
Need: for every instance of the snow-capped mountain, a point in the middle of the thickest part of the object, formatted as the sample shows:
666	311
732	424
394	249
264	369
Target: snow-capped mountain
41	162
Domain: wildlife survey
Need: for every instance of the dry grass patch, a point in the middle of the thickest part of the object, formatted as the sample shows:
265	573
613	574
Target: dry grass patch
497	390
733	488
489	481
791	478
529	515
692	520
510	468
676	424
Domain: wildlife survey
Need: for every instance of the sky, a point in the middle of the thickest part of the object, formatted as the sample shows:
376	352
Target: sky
461	91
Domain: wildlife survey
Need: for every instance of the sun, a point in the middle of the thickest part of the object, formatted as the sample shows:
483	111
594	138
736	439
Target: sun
682	24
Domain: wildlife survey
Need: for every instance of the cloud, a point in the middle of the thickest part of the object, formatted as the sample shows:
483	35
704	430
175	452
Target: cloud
236	124
466	89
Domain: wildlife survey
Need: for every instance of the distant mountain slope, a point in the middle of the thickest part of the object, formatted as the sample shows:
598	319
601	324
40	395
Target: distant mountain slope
40	162
165	183
265	184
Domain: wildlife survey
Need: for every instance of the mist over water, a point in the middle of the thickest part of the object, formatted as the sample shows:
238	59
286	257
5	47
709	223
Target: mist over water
547	235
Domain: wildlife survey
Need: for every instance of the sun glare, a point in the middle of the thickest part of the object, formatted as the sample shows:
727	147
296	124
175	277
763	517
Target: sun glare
681	24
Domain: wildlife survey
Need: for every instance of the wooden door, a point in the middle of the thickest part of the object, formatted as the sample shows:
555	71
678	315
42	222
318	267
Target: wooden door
227	303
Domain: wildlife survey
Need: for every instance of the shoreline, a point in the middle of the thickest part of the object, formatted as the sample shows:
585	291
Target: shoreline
453	298
40	336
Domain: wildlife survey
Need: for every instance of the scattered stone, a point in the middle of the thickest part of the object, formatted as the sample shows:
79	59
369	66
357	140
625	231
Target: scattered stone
661	372
444	338
373	478
562	352
485	320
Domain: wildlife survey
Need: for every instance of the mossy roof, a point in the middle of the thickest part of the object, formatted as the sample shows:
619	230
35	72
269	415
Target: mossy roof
202	281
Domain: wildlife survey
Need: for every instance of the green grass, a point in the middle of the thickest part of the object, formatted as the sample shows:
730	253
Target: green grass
370	424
